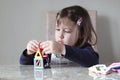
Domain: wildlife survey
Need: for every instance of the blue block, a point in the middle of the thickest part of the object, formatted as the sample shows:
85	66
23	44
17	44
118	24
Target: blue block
38	63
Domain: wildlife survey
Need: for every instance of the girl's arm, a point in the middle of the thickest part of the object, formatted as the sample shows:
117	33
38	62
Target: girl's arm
26	59
85	56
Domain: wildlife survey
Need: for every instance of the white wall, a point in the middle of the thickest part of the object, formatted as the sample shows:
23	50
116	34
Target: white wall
24	20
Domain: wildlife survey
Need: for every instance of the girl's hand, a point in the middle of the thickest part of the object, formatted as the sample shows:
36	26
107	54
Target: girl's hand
32	47
52	47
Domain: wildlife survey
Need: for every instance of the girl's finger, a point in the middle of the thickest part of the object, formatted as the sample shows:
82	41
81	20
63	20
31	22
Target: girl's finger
35	43
33	48
44	44
47	50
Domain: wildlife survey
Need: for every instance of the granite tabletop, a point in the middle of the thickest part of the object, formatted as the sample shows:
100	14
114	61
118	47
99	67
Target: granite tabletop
56	72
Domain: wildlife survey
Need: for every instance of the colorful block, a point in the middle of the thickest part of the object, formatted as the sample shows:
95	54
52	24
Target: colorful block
38	60
38	63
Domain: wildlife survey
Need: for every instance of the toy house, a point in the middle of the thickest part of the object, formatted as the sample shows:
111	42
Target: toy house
38	60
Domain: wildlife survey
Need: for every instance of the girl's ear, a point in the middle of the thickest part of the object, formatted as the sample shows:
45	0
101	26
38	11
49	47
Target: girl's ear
79	36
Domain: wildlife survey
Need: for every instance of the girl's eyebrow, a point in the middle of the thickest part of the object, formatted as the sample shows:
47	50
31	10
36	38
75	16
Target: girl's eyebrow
69	27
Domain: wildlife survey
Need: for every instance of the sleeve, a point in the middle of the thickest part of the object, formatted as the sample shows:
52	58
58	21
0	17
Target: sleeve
84	56
26	59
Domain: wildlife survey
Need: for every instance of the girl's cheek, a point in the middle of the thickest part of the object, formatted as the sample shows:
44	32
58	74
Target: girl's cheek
67	39
56	37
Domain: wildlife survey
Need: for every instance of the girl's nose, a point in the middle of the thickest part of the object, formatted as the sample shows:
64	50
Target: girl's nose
61	35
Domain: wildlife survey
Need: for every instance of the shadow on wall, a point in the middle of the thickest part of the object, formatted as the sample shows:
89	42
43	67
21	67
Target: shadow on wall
105	47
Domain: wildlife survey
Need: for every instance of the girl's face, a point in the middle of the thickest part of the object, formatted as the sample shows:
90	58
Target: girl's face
66	32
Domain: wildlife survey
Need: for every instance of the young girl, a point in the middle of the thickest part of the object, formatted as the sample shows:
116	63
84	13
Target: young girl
73	40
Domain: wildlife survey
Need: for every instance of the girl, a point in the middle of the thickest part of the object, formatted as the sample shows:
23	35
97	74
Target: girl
73	39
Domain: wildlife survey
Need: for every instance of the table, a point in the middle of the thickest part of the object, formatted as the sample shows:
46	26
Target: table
56	72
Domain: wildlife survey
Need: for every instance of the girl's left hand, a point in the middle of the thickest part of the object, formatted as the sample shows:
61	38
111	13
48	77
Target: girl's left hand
52	47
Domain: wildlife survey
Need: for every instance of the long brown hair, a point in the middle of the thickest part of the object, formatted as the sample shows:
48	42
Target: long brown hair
87	33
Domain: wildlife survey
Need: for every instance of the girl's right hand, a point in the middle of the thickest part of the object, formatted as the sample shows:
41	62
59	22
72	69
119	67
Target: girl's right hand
32	46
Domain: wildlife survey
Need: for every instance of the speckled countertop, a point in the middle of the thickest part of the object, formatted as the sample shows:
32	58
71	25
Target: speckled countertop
56	72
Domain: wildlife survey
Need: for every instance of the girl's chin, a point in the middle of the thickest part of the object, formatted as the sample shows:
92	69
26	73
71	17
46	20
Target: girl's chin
60	42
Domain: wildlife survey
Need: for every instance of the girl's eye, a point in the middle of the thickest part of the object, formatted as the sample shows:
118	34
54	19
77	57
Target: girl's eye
67	31
57	29
64	30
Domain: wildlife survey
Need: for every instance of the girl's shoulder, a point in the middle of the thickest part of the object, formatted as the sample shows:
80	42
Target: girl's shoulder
86	45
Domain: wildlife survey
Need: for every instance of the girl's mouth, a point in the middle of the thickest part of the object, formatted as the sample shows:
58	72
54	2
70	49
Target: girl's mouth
61	42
